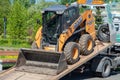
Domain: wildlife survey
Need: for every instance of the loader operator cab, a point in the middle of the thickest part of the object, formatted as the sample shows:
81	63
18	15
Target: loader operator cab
57	19
51	24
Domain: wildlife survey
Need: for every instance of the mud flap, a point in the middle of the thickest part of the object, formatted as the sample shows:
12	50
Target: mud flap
40	61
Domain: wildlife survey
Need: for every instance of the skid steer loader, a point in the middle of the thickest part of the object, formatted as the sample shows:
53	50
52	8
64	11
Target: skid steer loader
63	37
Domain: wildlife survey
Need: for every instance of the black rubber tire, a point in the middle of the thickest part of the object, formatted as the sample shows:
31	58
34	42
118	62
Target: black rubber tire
84	44
106	69
103	33
34	45
68	51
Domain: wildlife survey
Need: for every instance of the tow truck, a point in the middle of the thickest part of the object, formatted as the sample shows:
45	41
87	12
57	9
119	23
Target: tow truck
101	61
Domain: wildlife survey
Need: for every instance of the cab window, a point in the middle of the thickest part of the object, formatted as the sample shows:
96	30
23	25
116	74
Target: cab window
70	16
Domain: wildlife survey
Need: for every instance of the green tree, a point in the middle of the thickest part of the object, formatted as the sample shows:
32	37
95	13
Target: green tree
16	27
116	0
98	18
25	3
4	11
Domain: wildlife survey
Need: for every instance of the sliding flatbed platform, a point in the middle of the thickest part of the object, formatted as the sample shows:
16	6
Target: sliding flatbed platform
12	74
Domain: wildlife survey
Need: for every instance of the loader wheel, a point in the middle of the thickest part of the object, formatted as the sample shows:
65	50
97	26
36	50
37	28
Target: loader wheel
72	52
86	44
34	45
104	33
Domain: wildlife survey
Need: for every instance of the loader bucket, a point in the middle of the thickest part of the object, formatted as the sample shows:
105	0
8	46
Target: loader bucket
41	62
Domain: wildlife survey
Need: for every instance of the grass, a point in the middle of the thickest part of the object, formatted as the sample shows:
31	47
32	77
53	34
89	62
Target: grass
14	46
14	43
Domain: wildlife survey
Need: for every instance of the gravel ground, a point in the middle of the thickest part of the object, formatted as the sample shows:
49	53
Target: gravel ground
88	76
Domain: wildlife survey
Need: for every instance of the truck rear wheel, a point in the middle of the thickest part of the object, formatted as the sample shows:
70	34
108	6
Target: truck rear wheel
86	44
106	69
34	45
72	52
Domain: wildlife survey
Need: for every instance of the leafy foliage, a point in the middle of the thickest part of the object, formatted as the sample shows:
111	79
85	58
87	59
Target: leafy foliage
24	20
4	8
16	27
98	18
4	11
25	3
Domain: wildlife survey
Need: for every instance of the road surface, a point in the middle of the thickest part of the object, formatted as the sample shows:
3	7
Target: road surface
89	76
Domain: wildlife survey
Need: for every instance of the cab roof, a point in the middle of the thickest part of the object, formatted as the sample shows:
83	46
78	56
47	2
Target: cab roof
56	8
